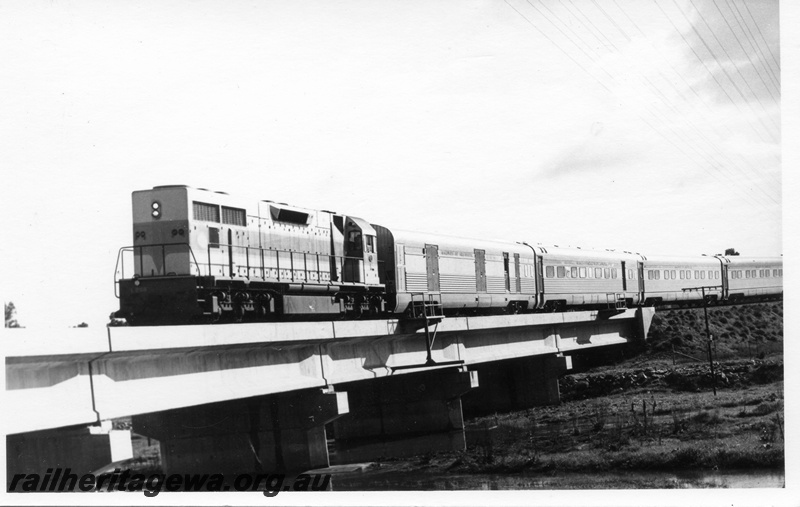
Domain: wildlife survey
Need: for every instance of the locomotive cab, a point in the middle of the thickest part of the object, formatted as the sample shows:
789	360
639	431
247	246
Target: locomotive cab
361	258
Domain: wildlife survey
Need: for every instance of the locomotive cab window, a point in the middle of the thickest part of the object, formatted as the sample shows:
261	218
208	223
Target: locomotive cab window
354	241
370	244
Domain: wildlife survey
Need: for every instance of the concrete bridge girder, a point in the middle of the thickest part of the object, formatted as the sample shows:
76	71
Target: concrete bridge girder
155	370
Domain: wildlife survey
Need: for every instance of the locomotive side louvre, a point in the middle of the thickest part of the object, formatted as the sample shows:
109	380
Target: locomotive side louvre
295	244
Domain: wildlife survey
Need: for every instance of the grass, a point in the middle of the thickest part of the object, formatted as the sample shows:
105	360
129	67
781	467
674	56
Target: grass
752	331
637	430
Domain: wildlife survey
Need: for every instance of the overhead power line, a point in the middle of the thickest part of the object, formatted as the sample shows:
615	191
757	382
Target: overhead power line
706	157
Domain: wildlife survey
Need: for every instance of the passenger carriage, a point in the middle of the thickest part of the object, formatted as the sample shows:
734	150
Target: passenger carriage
576	277
665	279
460	274
753	277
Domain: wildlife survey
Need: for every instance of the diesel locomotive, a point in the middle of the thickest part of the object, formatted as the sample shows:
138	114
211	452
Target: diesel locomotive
200	256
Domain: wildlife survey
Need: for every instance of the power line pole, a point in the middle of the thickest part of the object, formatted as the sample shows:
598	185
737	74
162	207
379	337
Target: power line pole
709	338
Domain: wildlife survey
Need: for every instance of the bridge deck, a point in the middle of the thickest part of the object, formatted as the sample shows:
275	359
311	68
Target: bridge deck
77	376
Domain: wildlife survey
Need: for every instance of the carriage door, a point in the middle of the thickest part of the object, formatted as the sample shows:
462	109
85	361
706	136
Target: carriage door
539	272
432	267
480	270
505	272
640	274
624	278
724	281
518	284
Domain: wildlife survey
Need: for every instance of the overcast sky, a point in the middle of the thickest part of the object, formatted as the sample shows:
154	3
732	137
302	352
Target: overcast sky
626	124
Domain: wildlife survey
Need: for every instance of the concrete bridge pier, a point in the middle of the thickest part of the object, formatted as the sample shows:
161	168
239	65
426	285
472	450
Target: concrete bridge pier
276	433
516	384
82	450
403	415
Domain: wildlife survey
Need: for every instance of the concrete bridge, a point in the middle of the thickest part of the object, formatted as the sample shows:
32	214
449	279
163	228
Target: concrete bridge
238	398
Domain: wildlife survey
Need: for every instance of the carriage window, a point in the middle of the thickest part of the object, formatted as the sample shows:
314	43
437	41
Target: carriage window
582	272
574	272
747	273
561	272
549	271
606	273
613	272
598	272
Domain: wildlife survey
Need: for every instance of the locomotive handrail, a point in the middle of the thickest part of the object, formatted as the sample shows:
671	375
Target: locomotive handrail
339	264
133	248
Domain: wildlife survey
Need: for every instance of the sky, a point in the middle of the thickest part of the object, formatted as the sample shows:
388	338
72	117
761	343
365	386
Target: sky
637	125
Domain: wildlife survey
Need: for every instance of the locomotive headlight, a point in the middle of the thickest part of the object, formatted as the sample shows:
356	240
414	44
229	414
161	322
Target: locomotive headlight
156	212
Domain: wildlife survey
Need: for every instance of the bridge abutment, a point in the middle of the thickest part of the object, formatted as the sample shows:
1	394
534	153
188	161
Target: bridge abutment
403	415
275	433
